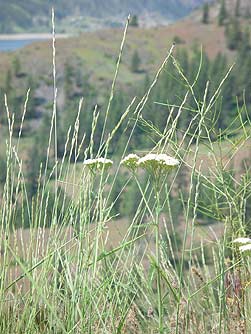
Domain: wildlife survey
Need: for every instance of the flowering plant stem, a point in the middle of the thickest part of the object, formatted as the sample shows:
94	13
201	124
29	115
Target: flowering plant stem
158	260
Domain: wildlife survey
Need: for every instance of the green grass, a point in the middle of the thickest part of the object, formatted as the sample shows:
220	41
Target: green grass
159	272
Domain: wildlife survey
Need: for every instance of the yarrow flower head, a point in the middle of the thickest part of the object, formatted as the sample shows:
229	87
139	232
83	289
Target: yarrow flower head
160	162
130	161
244	245
242	241
245	248
98	164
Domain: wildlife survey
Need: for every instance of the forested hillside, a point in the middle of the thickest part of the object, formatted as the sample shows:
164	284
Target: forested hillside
34	15
85	66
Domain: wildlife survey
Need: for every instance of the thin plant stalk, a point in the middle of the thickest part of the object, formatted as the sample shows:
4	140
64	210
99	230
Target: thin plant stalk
158	257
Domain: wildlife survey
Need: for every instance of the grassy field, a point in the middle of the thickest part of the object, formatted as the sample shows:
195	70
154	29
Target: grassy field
173	266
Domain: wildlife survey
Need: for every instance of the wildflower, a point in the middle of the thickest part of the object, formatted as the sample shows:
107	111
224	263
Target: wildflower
245	248
130	161
98	164
242	241
158	164
245	244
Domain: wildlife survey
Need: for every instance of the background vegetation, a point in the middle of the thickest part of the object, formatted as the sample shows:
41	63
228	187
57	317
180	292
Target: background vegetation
34	15
109	252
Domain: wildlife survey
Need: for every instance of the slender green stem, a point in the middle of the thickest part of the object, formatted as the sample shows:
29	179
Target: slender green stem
158	260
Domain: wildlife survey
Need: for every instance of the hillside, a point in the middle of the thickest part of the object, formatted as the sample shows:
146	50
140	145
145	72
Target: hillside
89	61
240	7
97	51
85	66
144	243
79	15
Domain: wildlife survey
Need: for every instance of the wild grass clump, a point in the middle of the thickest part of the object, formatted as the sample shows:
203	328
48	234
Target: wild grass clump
173	267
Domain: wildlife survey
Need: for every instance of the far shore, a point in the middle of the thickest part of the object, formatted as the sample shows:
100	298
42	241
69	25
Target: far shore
35	36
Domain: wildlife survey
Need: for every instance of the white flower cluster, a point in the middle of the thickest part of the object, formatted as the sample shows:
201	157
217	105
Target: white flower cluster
98	164
158	160
244	244
150	160
155	164
130	161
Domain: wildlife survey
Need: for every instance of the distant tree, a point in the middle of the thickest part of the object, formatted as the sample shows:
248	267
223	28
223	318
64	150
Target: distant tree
247	13
68	81
178	40
218	68
79	79
32	169
244	46
233	34
134	21
37	156
16	66
8	82
135	62
205	15
10	93
243	63
204	72
237	8
222	13
146	83
3	169
183	58
31	107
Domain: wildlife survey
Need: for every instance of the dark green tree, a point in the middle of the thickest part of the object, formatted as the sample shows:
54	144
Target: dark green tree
134	21
205	14
202	79
31	107
16	66
233	34
67	121
244	46
8	82
68	81
14	102
237	8
146	83
222	13
218	68
32	168
242	74
135	62
37	156
3	169
79	79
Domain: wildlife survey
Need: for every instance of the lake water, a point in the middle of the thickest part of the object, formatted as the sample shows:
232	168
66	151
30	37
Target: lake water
12	45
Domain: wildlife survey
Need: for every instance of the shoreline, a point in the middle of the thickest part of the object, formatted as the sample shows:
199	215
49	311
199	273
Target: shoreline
32	36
